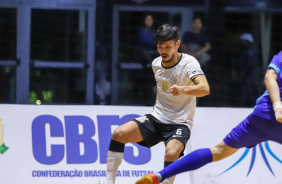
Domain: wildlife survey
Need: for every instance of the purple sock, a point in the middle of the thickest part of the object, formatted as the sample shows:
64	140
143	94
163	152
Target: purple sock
192	161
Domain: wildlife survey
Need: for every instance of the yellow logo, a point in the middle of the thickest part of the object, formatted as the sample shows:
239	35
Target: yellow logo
164	86
3	147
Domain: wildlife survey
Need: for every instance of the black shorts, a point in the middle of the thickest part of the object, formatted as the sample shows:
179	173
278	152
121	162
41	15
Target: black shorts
153	131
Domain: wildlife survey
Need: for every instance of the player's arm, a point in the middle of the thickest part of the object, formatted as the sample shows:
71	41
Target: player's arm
200	89
270	80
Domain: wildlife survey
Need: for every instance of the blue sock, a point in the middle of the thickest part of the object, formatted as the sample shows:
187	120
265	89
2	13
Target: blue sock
192	161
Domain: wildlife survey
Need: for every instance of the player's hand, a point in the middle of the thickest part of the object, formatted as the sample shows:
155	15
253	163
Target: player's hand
176	90
277	106
278	114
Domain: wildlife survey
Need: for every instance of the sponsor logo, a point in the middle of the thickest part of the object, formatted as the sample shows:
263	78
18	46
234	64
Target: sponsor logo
3	147
197	71
142	119
79	146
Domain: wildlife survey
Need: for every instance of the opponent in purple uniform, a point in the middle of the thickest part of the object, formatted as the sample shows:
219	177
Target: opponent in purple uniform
263	124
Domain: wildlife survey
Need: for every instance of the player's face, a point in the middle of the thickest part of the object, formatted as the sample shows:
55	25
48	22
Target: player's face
168	50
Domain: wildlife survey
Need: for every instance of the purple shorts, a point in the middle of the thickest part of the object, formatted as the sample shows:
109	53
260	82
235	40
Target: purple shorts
252	131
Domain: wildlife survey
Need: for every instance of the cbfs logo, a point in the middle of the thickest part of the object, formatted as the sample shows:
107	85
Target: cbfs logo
3	147
254	151
79	147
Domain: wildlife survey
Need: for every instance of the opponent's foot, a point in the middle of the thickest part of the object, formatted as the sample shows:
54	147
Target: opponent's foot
150	178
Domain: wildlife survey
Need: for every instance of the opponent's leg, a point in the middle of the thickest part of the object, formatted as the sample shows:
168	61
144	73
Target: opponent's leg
171	179
222	151
194	160
189	162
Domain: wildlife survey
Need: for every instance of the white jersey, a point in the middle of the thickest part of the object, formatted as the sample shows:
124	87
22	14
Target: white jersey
171	109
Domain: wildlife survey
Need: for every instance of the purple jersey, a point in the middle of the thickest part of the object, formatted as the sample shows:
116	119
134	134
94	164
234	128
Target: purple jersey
261	125
263	106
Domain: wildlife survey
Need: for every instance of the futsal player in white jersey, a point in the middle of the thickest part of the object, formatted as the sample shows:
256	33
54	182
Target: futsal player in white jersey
179	79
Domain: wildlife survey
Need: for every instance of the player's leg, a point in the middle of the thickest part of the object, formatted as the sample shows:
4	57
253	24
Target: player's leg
151	130
246	134
191	161
197	159
177	137
221	151
173	149
251	131
128	132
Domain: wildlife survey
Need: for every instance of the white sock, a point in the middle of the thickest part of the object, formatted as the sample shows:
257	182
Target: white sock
169	180
113	161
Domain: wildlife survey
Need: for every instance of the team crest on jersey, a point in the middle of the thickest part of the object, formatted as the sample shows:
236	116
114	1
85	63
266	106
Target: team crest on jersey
173	79
142	119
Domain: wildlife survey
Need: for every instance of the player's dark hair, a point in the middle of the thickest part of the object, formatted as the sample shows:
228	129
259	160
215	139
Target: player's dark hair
167	32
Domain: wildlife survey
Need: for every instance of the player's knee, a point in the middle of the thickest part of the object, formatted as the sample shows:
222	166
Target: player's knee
117	134
171	155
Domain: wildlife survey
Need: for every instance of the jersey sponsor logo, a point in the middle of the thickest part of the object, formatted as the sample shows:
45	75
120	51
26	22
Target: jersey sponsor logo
197	72
254	150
